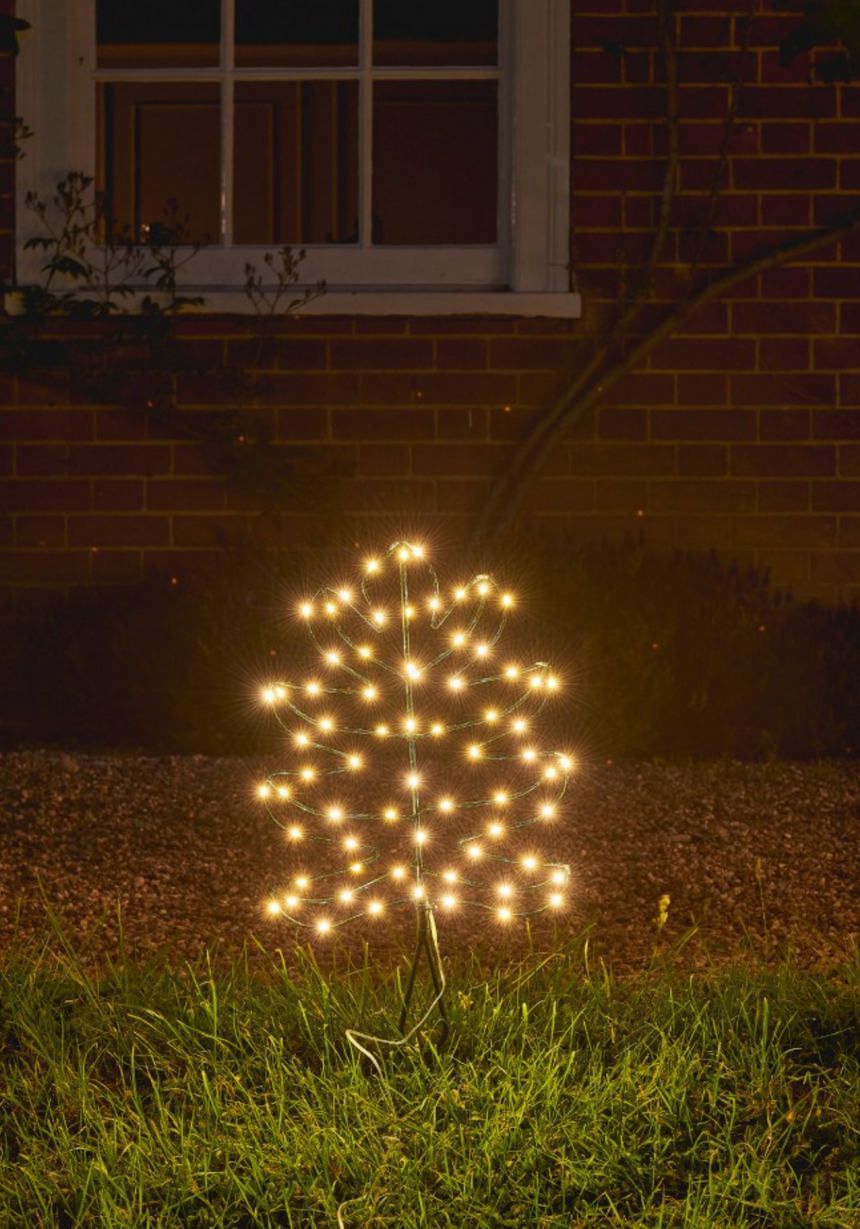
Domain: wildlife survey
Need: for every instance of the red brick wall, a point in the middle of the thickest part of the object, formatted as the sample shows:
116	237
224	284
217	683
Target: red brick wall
741	433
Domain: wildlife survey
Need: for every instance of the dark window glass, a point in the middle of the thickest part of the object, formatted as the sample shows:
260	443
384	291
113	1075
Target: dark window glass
161	158
296	162
296	33
157	33
435	32
434	162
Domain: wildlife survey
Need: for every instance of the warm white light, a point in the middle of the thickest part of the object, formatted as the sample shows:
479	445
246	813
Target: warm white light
556	900
381	731
323	926
346	896
535	681
390	813
365	651
507	599
335	813
420	836
547	810
354	761
333	658
529	755
449	876
403	553
313	689
437	729
330	608
375	908
483	588
475	752
273	907
295	833
459	594
512	672
379	617
418	552
370	693
345	595
458	639
552	682
409	611
356	868
326	724
455	682
280	692
264	791
308	774
302	740
473	851
446	806
496	830
412	670
306	609
397	872
550	774
482	650
566	762
501	798
418	892
491	715
529	863
519	726
504	914
283	793
558	876
269	695
291	902
371	566
412	780
350	843
302	881
410	725
449	901
505	890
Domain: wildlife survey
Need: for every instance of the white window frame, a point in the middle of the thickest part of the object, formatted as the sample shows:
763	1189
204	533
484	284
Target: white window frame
526	273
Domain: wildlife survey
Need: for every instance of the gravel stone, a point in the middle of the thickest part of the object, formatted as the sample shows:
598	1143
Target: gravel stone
765	857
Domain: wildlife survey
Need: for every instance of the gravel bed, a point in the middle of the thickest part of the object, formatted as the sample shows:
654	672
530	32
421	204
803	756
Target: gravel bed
762	856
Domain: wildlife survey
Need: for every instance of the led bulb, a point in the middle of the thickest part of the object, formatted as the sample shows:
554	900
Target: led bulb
269	695
507	600
346	896
356	868
390	814
449	876
519	726
345	595
413	780
446	806
420	836
350	843
403	553
410	725
397	872
330	608
370	693
273	908
547	810
455	682
566	762
491	715
308	774
371	566
458	639
437	729
264	791
354	761
295	833
529	755
504	914
505	890
283	793
482	650
280	692
449	901
379	617
333	658
496	830
365	651
302	740
375	908
306	610
459	594
302	881
529	863
558	877
501	798
556	900
552	682
292	902
418	552
418	892
412	670
434	604
512	672
475	752
381	731
335	813
473	851
326	724
323	926
550	774
483	588
313	689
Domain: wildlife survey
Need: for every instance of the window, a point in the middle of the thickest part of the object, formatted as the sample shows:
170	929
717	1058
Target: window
418	151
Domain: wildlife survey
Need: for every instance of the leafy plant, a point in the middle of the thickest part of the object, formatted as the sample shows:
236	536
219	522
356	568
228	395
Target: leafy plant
826	22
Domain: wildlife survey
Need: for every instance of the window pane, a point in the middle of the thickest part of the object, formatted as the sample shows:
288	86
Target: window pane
437	32
296	162
296	33
157	33
434	162
161	143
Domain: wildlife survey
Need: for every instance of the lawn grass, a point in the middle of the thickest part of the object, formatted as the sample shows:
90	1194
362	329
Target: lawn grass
197	1098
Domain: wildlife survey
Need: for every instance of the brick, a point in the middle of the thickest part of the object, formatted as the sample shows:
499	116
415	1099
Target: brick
701	496
41	393
594	67
780	173
836	353
784	424
123	424
404	424
391	388
616	174
839	137
56	495
849	175
596	140
7	460
703	390
394	354
119	459
785	283
787	138
627	102
122	495
520	353
331	388
384	461
849	460
774	389
463	424
775	102
696	424
50	567
783	460
589	210
97	531
622	424
849	531
838	496
511	422
461	354
704	354
460	495
44	425
703	460
829	283
783	497
836	567
379	496
42	460
117	567
783	354
785	567
704	532
836	424
778	209
489	389
620	495
643	388
302	423
293	354
786	318
40	531
446	460
185	495
622	460
211	531
562	495
794	531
